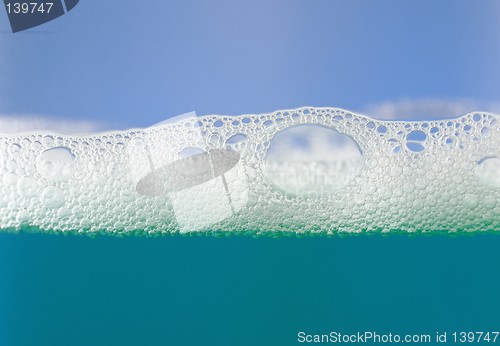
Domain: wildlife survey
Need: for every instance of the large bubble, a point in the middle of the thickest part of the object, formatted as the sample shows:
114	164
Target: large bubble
312	161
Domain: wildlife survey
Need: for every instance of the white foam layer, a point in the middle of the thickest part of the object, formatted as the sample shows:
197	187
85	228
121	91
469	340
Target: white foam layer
302	170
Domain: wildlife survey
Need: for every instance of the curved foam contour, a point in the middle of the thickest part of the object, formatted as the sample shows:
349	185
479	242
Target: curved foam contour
306	170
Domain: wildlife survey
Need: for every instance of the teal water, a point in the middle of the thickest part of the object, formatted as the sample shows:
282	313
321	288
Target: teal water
76	290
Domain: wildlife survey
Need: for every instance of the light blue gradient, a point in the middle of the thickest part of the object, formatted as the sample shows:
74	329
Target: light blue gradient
133	64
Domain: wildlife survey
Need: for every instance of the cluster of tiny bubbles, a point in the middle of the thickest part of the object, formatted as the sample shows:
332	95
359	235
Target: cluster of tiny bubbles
300	171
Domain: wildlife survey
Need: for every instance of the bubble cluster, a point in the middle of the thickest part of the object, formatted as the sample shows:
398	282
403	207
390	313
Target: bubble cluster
301	171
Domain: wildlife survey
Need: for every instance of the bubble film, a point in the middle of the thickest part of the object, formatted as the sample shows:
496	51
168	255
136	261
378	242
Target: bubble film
300	171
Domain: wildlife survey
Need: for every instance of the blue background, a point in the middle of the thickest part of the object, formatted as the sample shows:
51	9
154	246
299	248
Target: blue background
126	64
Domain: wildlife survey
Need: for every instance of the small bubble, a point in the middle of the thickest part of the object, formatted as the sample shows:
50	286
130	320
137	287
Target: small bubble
10	179
14	149
137	142
11	165
471	201
23	217
485	131
396	171
52	197
27	186
488	171
490	202
56	164
381	129
415	141
48	141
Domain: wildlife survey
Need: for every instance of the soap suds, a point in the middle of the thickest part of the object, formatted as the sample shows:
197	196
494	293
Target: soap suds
307	170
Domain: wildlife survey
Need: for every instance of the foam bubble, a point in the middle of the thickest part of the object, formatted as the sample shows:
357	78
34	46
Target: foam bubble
312	160
52	197
488	171
306	170
56	164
